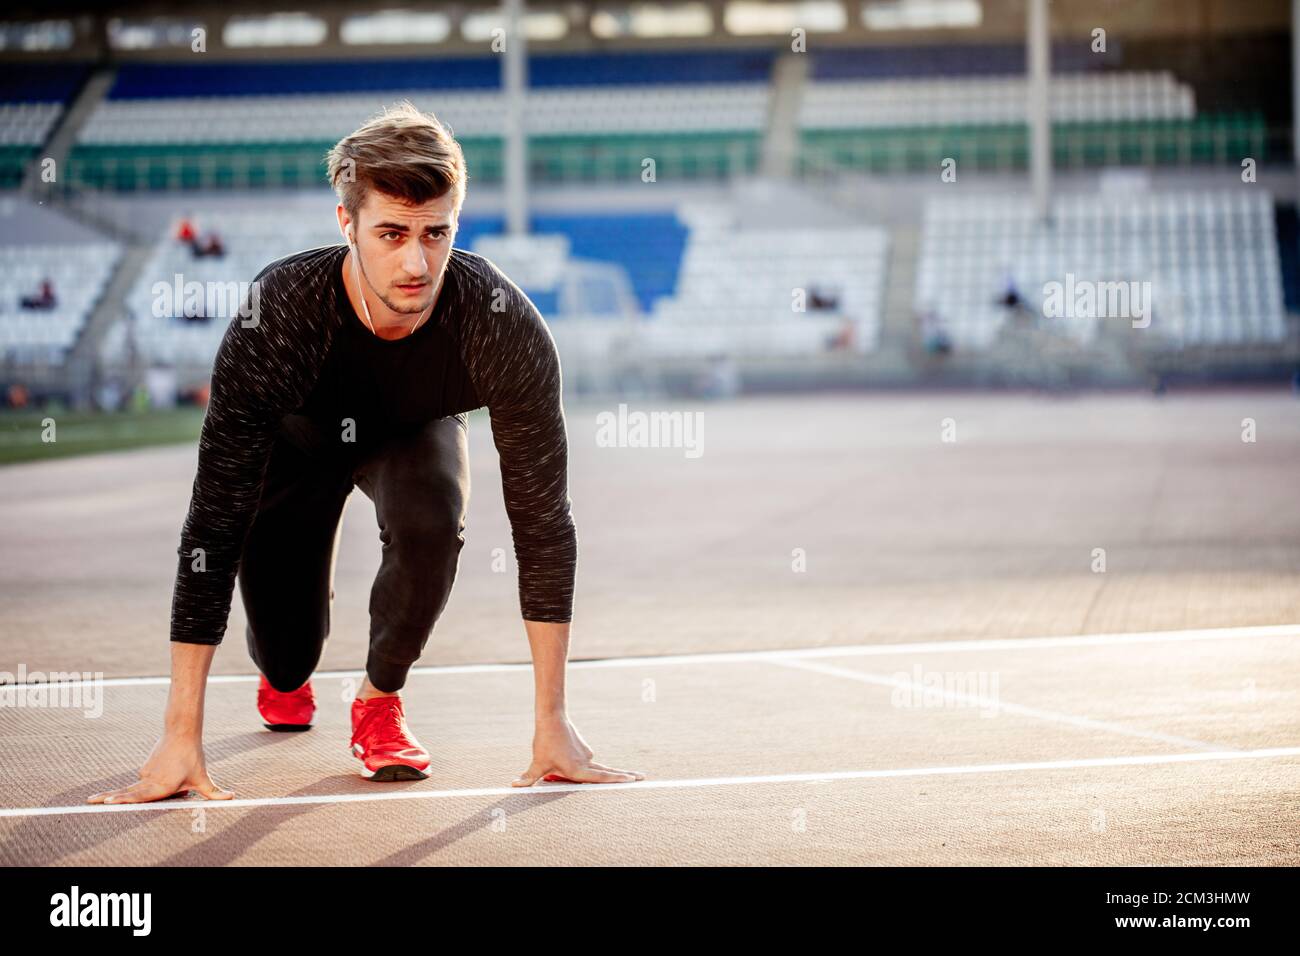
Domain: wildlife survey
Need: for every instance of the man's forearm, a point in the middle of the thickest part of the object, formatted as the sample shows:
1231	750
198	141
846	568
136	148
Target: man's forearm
190	665
549	643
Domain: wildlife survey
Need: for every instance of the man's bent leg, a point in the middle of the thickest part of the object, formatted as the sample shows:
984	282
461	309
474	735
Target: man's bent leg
287	570
420	486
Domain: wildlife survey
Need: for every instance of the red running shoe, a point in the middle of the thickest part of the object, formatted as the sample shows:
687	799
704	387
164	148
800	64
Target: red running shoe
383	743
286	711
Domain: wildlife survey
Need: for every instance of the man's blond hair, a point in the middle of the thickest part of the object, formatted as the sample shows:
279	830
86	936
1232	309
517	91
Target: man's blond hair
402	152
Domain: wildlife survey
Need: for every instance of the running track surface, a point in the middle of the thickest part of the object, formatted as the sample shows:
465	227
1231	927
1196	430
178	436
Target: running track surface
949	680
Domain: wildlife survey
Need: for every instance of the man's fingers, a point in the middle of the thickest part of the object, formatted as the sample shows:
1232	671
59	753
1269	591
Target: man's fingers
592	775
591	772
145	791
209	790
107	796
600	766
609	776
142	791
528	777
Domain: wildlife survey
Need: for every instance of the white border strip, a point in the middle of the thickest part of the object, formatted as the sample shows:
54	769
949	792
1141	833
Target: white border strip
541	789
740	657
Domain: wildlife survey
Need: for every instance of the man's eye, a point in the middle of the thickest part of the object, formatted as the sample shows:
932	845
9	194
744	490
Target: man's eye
387	234
437	233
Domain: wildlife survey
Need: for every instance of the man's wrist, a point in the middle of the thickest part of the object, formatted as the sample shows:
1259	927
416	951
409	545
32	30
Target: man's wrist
183	725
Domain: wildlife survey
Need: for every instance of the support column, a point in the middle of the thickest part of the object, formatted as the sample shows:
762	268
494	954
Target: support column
515	82
1039	54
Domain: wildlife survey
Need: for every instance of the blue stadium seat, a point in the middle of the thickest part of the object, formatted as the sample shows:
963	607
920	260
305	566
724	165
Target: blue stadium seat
649	245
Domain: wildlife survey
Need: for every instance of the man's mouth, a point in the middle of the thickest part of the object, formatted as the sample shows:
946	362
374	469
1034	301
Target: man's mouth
411	286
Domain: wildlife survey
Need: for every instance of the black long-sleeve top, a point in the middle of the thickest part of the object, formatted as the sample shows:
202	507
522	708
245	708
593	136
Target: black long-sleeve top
485	344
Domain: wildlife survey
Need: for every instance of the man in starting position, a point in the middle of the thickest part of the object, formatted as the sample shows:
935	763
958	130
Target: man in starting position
358	369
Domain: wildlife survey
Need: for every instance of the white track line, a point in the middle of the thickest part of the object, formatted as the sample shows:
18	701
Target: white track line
976	701
740	657
549	788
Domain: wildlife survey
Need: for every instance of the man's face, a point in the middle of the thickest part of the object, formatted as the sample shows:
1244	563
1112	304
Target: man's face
404	248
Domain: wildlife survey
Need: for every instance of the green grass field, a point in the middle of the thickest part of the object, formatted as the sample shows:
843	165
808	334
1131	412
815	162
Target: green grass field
24	435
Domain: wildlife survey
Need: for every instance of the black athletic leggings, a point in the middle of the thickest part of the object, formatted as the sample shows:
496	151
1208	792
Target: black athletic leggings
419	483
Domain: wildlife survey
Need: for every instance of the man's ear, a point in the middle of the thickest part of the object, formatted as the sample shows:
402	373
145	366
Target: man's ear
345	223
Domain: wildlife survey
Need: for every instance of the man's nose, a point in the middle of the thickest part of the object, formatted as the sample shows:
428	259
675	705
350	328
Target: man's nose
414	262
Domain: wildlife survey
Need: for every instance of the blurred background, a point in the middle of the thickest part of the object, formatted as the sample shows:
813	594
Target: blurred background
703	198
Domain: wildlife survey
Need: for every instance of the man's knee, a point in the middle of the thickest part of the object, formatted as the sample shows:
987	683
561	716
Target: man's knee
287	679
289	663
430	514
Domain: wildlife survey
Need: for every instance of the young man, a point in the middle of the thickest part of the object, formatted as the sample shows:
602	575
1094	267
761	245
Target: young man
358	368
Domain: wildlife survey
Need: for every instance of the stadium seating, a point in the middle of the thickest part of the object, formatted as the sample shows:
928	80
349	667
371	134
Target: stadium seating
32	98
253	239
706	289
698	114
597	117
885	109
979	101
949	60
753	292
646	245
1211	261
591	116
79	273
